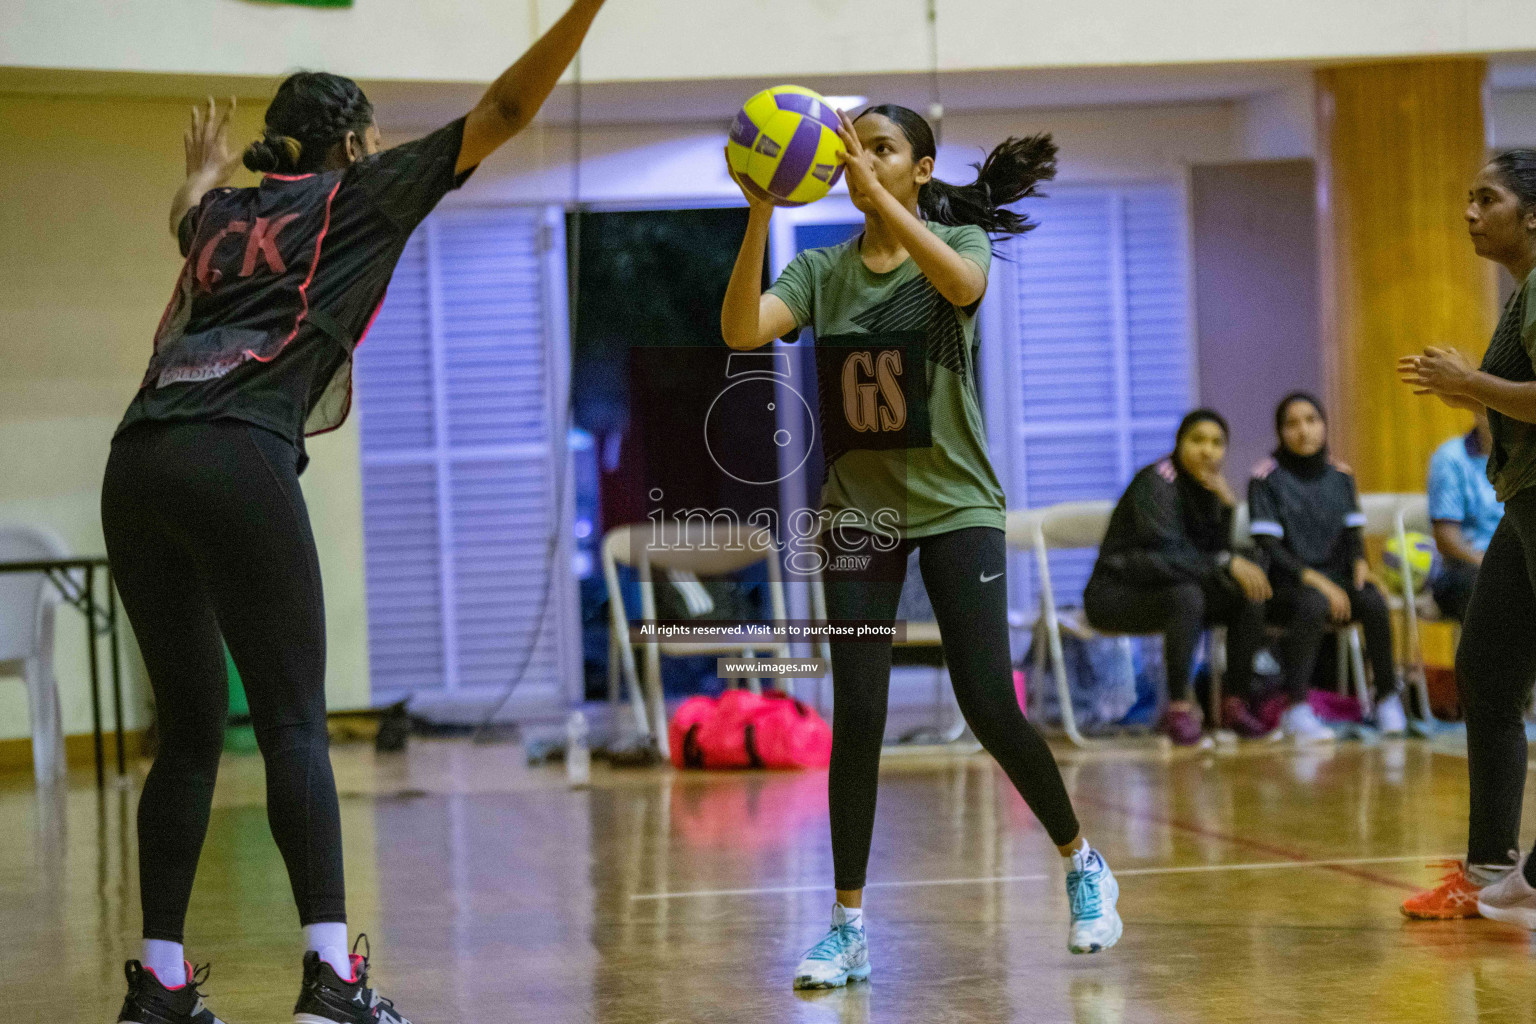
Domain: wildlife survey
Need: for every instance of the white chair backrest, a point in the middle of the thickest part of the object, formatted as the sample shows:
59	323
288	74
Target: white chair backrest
22	595
1075	524
1020	528
1381	513
1415	511
690	547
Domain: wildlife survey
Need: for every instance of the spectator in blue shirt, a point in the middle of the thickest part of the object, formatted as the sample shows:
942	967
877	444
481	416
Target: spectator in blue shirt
1465	513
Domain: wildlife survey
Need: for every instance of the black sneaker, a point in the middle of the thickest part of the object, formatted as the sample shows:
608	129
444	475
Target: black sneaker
327	998
150	1002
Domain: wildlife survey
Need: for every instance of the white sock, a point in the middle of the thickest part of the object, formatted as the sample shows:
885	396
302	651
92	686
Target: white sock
1484	875
329	939
167	959
854	916
1082	851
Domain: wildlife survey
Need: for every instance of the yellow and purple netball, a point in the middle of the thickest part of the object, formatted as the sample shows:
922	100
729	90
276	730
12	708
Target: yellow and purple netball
784	146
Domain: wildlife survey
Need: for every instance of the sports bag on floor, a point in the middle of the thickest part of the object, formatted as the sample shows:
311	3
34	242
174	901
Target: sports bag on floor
741	729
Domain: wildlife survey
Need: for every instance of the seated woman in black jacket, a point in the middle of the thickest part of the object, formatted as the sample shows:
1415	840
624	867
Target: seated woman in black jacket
1167	565
1307	520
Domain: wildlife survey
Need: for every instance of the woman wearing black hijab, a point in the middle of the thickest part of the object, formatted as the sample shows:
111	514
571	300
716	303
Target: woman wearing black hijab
1306	517
1167	565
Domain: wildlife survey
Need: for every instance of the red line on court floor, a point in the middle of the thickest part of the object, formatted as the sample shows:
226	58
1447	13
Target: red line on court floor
1283	852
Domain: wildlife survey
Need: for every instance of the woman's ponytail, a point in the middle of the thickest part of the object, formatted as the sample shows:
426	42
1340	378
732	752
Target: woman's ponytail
1011	172
273	154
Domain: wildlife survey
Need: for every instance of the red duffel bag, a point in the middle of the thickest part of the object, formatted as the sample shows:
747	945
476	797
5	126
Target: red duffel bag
741	729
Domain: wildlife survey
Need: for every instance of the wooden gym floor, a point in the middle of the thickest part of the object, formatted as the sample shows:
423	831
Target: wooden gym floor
1260	885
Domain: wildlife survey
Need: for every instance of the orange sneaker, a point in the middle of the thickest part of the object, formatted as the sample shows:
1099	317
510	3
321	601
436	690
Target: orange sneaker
1454	898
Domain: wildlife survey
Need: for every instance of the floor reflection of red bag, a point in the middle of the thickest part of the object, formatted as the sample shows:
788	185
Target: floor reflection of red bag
741	729
762	811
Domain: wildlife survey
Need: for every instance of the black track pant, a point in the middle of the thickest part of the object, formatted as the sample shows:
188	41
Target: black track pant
1494	665
963	572
1181	613
1303	611
208	536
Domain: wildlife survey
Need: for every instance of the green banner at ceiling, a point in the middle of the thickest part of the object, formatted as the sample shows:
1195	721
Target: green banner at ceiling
313	3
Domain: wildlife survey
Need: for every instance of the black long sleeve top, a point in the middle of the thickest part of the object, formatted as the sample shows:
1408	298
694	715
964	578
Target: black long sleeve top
1307	521
1166	529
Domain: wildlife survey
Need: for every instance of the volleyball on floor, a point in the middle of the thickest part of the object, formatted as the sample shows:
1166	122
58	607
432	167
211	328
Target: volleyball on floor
784	146
1421	560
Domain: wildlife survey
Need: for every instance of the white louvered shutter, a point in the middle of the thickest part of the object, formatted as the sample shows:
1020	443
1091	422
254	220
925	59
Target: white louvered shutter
499	425
1098	328
1159	355
393	377
459	463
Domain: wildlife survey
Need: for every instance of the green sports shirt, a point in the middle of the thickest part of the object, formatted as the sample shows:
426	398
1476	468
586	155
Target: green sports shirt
902	432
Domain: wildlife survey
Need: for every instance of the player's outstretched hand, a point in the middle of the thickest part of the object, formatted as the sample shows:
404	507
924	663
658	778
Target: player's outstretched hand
207	143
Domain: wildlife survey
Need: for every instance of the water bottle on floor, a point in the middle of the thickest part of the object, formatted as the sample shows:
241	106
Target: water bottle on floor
578	756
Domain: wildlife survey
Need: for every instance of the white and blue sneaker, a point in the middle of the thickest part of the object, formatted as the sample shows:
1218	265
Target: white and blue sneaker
841	957
1092	893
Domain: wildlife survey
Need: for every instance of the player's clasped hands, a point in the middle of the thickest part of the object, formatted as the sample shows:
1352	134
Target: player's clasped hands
1442	372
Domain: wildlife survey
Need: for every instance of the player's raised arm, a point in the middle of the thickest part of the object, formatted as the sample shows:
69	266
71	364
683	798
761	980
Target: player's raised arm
209	163
511	102
751	318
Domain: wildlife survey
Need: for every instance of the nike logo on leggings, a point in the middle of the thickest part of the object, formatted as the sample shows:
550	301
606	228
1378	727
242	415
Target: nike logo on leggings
988	579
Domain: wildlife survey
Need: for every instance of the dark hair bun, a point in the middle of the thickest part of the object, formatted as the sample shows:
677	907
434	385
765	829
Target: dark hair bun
272	154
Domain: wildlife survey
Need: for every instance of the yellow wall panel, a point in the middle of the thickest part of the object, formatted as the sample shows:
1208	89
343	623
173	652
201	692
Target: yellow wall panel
1398	145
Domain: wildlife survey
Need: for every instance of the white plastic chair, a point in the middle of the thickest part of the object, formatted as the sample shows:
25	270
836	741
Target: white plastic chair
27	604
1064	527
1386	515
1413	514
688	548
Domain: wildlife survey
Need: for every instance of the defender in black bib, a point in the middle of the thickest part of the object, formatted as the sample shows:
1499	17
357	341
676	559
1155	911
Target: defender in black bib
204	518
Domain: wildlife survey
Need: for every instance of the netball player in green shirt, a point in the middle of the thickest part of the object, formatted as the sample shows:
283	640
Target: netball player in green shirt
894	315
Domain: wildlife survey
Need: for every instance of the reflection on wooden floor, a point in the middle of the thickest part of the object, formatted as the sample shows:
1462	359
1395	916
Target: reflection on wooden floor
1258	886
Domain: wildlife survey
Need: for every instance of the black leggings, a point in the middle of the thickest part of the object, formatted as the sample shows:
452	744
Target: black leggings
963	572
1181	613
208	536
1494	665
1303	611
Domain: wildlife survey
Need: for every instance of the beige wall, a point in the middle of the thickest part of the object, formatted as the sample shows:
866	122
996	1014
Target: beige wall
89	265
471	40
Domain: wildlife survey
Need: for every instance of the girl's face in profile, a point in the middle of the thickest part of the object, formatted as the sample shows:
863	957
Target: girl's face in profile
891	151
1498	227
